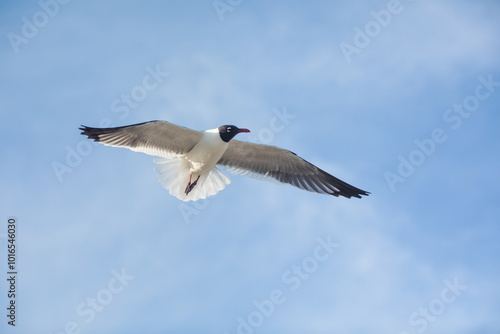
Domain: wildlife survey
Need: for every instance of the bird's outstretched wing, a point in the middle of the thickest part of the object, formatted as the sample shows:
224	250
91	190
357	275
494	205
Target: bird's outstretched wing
283	166
156	138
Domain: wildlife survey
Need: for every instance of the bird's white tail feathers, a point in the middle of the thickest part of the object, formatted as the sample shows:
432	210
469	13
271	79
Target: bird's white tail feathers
173	174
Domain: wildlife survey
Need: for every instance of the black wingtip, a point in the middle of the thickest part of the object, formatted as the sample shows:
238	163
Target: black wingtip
348	191
355	192
341	188
91	133
95	133
364	193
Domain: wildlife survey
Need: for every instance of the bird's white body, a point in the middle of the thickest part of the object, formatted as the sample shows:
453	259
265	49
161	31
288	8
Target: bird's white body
177	171
203	157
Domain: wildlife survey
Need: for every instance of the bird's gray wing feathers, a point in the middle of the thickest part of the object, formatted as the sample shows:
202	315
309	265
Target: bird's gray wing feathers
283	166
156	138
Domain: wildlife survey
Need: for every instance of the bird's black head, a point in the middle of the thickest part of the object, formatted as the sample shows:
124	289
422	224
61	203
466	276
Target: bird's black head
227	132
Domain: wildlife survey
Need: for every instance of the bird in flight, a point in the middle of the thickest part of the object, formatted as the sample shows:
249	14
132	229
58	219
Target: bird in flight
188	161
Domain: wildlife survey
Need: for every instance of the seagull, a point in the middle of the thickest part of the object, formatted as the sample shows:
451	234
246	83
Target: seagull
188	161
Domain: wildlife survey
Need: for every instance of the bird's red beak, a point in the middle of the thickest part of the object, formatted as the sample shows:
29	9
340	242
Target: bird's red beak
243	130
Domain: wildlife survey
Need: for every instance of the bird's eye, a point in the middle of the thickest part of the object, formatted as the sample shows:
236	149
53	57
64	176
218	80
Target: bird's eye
229	129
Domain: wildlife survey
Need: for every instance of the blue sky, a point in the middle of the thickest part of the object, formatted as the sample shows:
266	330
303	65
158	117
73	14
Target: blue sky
409	113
